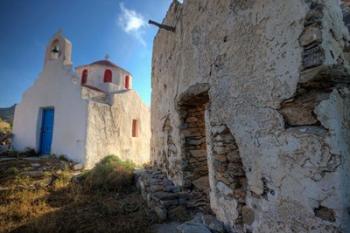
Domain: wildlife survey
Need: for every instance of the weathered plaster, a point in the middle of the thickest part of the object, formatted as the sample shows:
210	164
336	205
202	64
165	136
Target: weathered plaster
251	54
110	129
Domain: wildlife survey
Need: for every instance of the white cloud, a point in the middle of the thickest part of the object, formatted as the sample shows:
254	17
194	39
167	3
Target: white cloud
132	23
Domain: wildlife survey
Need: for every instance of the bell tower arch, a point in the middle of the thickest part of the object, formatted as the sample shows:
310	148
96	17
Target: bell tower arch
59	49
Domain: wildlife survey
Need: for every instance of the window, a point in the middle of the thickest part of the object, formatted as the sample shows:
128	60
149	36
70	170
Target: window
107	78
84	76
135	128
127	82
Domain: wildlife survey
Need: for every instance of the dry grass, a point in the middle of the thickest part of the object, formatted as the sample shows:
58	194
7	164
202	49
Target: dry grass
54	204
4	127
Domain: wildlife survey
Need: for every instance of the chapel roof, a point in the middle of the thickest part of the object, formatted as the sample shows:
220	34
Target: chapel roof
105	62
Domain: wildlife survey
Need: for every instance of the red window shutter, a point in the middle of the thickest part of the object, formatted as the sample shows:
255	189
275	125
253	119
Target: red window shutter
127	82
84	76
135	130
107	78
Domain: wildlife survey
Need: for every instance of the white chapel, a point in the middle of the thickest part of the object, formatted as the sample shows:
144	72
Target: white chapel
84	113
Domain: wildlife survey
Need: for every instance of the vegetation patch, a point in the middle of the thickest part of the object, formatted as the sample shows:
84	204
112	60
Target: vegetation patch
5	127
101	200
110	174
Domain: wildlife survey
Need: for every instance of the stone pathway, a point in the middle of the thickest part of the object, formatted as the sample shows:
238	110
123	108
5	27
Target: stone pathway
172	204
199	224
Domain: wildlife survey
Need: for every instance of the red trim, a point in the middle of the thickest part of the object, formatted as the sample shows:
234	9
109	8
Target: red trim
107	78
127	82
135	128
84	76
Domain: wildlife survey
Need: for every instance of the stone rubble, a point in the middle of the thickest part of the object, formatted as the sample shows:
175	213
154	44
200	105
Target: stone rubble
167	199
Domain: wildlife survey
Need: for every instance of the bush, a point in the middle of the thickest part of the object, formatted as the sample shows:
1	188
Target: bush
110	174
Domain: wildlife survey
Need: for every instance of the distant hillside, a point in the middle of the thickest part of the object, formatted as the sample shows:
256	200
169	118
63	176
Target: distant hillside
7	114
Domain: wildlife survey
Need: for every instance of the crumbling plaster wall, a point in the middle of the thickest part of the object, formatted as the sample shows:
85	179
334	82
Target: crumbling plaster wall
109	128
253	57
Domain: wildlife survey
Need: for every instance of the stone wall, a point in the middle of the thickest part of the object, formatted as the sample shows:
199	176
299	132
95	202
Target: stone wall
277	125
193	137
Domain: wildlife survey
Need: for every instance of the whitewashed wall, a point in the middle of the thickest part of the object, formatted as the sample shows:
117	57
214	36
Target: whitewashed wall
110	129
54	88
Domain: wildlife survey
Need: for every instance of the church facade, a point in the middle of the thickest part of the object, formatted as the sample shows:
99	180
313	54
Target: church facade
84	113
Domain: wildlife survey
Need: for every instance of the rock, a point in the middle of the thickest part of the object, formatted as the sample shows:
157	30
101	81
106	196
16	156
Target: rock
198	153
4	189
167	203
221	158
197	218
192	119
35	164
325	213
161	213
213	224
165	227
156	188
218	138
4	148
171	188
224	189
172	148
35	158
219	149
311	35
179	213
235	169
218	129
202	184
248	215
78	166
313	57
300	111
7	159
165	196
34	174
190	227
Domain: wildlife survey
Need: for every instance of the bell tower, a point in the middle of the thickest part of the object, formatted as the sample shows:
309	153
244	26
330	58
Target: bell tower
59	49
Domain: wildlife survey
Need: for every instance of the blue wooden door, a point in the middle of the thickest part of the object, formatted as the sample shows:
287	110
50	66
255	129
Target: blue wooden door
46	130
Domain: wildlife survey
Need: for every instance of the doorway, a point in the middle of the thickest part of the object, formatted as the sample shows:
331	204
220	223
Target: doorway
46	131
194	144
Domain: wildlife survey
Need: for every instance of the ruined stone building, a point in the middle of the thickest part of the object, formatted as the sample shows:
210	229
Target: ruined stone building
84	113
252	98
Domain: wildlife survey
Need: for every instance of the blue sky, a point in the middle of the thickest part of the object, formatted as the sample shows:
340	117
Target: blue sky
95	28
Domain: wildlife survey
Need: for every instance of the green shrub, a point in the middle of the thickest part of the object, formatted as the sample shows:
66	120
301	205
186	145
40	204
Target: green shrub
110	174
12	171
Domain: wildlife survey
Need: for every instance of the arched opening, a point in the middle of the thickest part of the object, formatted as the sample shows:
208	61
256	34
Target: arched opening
135	128
107	78
84	76
55	49
127	82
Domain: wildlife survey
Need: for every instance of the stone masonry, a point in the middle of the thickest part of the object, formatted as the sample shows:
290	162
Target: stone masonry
251	107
